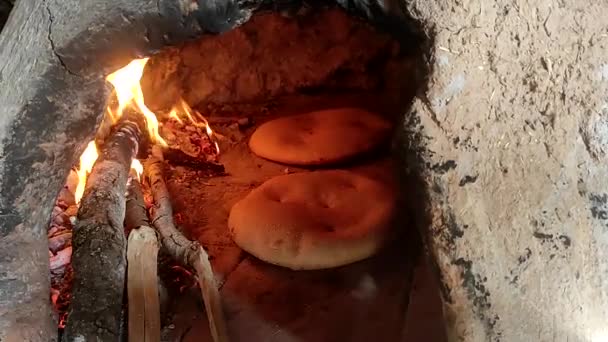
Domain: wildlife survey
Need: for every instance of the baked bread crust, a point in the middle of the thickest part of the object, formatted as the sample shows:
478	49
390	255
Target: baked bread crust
314	220
319	138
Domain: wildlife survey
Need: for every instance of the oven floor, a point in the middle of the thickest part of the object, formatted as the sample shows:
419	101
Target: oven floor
359	302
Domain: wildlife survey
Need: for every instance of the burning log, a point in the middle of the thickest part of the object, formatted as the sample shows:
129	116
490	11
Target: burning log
189	253
142	255
99	244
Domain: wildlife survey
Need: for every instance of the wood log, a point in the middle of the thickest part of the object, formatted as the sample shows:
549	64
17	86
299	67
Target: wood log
189	253
142	286
136	212
99	244
142	277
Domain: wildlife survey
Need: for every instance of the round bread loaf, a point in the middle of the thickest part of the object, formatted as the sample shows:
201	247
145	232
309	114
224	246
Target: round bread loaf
314	220
321	137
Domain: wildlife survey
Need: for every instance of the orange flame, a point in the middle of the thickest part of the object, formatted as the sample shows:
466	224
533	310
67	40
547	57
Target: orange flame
173	114
138	168
200	121
128	92
126	82
87	160
63	320
111	115
185	108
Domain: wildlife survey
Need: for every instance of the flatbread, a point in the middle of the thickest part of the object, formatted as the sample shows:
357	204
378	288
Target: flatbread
321	137
314	220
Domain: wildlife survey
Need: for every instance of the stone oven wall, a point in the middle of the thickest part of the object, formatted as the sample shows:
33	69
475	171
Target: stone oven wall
273	54
512	147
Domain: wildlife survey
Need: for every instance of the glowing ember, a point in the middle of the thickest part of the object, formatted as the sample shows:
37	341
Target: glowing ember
128	92
54	296
138	168
87	160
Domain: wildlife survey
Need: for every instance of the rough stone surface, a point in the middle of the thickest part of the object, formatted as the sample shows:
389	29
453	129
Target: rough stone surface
272	55
5	8
510	139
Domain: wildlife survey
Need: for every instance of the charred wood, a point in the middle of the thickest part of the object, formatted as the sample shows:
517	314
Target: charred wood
60	241
136	213
99	244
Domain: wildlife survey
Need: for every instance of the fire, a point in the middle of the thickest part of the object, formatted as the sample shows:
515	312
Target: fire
126	82
138	168
87	160
200	121
128	91
173	114
181	104
111	115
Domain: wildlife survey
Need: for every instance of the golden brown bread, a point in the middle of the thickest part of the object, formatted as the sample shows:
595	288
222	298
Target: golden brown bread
314	220
321	137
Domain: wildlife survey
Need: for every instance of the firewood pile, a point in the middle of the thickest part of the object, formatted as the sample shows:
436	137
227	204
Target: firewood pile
104	235
143	242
